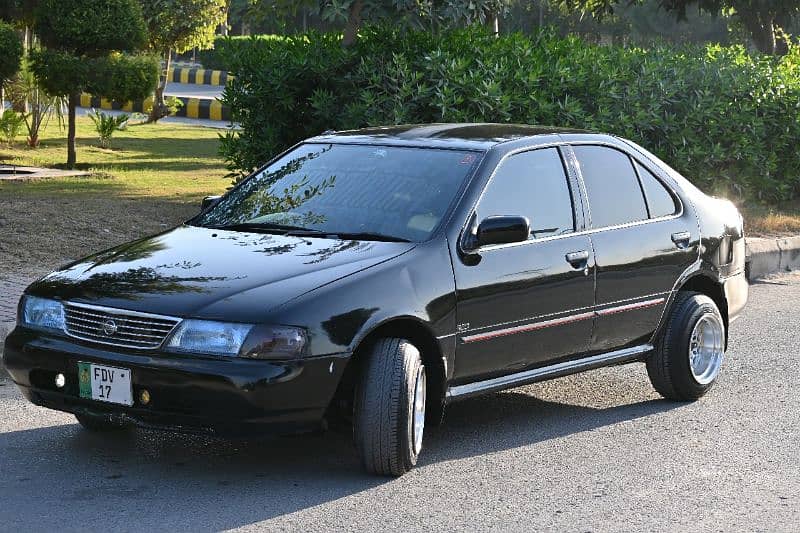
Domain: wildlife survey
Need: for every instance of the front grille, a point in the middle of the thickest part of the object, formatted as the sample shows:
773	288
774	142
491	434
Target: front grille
116	327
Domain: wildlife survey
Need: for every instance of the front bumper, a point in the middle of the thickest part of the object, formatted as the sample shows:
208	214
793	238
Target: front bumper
223	396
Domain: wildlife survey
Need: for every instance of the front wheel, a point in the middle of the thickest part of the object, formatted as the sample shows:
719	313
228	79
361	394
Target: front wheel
688	357
389	410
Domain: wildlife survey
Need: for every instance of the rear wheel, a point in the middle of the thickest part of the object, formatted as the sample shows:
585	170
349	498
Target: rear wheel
99	423
389	410
688	357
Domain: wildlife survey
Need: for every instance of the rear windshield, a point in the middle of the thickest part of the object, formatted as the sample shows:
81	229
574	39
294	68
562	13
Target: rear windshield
399	192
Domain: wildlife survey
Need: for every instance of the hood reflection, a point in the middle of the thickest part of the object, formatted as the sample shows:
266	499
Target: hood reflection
190	268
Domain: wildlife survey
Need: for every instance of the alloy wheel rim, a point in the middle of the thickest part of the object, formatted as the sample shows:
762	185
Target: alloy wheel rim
418	420
706	349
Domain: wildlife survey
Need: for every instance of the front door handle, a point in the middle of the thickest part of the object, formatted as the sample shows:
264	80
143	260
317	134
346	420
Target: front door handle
681	239
577	259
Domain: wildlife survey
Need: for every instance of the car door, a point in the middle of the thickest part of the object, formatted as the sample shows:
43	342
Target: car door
643	241
521	305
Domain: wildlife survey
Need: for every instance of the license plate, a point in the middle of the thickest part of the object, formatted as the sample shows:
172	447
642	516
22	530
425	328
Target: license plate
105	383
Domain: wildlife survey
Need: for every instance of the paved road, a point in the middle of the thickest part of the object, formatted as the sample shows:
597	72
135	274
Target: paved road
202	122
192	90
596	452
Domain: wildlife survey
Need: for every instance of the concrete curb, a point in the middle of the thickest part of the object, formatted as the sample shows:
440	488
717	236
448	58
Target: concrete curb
767	256
198	76
202	108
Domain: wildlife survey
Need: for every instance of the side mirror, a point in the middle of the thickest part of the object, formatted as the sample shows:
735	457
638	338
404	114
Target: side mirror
502	230
209	201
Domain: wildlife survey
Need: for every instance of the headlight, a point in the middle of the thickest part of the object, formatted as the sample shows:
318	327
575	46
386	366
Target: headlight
42	313
207	337
275	342
232	339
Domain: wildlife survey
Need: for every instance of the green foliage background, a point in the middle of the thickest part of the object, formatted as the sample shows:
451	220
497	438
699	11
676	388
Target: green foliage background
215	58
91	27
722	117
10	51
116	77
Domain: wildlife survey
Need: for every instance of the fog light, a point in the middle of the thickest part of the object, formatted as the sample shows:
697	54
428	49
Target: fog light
144	397
60	380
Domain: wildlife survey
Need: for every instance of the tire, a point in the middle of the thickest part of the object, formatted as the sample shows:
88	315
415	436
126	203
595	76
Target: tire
99	423
675	369
386	411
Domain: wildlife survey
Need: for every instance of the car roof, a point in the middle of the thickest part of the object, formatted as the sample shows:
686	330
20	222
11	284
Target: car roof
479	136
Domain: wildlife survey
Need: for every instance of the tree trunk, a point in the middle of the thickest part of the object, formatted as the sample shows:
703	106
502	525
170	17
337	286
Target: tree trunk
782	39
762	30
353	23
493	21
72	103
160	110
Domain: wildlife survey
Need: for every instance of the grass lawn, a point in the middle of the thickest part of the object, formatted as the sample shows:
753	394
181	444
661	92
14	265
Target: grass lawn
151	178
147	160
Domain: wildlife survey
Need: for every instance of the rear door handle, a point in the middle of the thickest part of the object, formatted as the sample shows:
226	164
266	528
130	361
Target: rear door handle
577	259
681	239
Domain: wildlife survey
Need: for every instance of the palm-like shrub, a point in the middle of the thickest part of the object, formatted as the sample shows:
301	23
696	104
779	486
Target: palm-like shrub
11	124
107	124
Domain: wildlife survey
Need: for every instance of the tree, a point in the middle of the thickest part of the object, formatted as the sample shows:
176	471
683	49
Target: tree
82	45
10	51
422	13
179	25
764	20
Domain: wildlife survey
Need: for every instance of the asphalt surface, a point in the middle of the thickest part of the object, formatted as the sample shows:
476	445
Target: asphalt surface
594	452
192	90
202	122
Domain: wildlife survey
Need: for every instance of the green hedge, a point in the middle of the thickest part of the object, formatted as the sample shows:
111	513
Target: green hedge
116	77
725	119
215	58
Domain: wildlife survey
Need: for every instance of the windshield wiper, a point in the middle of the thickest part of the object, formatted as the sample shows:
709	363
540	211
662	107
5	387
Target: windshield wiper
299	231
368	236
356	235
265	227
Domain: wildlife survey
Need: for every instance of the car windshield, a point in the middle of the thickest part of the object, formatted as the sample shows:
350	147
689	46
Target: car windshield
360	191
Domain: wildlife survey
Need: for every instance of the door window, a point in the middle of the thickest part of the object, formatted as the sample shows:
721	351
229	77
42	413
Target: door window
615	196
659	200
531	184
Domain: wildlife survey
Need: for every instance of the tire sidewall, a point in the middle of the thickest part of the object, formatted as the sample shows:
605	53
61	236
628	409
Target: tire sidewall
412	364
692	310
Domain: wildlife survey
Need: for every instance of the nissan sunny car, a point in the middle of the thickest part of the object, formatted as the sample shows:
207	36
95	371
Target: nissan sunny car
375	276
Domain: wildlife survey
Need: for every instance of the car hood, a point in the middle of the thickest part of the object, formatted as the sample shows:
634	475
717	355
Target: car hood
209	273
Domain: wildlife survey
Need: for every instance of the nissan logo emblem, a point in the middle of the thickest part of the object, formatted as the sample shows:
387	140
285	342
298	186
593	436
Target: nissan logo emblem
109	327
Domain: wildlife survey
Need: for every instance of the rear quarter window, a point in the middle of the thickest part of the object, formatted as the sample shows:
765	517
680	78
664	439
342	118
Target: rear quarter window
660	201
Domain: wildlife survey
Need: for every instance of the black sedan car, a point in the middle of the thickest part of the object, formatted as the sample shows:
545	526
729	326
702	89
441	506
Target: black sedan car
374	276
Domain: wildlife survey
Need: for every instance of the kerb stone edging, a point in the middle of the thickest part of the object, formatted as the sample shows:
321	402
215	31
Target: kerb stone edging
767	256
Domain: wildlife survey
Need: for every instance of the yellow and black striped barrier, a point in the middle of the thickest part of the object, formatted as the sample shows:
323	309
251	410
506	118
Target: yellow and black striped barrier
202	108
198	76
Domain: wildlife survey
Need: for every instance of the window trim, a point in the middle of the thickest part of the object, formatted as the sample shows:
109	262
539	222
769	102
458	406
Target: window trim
574	177
670	192
680	207
578	222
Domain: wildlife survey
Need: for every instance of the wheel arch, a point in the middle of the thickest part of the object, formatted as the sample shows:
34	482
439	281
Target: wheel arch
418	333
707	285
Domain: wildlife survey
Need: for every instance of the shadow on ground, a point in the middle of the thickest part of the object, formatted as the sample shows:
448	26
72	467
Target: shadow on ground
162	481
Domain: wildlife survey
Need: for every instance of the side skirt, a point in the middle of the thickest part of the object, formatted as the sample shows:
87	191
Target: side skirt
468	390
